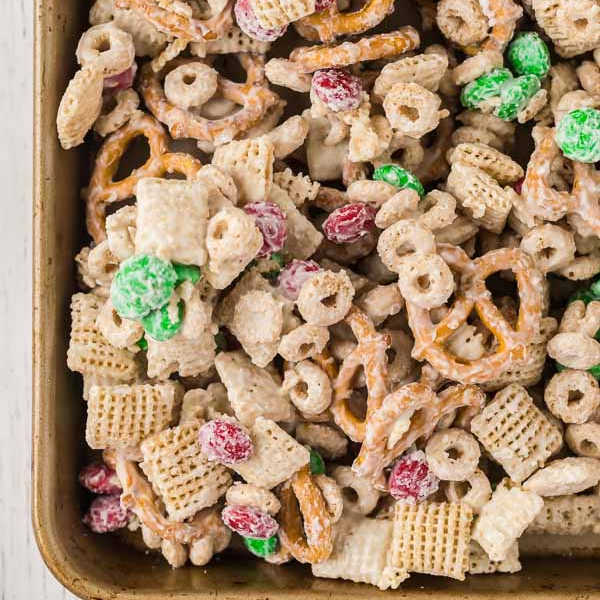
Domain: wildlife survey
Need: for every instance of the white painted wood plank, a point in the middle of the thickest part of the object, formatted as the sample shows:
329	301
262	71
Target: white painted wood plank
22	572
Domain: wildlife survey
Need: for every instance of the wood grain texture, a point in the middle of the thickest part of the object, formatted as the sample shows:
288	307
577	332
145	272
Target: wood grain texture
22	572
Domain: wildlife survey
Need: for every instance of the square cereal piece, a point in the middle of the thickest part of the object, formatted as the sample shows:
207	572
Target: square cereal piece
171	220
303	238
276	456
252	391
516	433
480	562
361	553
180	474
250	164
89	352
121	416
568	515
300	188
432	538
504	518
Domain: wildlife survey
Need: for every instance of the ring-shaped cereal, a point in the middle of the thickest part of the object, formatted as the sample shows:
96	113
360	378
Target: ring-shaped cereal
370	352
374	47
106	48
304	511
453	454
191	84
330	23
426	279
402	239
104	190
254	96
472	294
178	25
572	396
478	494
366	494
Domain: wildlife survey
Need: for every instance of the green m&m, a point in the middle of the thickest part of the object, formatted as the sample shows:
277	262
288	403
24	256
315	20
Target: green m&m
142	284
485	87
159	325
187	273
261	548
528	55
398	177
317	464
578	135
515	94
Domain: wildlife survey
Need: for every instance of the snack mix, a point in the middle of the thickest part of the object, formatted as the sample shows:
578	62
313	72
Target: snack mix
344	311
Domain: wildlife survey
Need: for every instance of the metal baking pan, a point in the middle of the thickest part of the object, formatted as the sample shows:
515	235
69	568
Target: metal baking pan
101	567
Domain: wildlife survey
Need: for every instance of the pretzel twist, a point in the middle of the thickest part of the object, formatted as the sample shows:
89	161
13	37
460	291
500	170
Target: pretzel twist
417	409
374	47
512	343
103	190
254	96
331	23
178	25
304	511
371	354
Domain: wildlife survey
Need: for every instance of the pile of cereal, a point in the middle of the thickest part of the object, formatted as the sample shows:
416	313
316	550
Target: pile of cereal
361	335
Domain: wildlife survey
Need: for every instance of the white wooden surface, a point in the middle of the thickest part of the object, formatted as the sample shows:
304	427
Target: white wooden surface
22	572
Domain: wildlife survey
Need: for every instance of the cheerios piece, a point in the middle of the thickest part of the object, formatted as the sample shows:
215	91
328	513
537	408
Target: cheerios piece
453	454
359	493
325	298
308	387
303	342
412	109
107	49
584	439
127	103
551	246
475	490
190	85
400	240
462	21
572	396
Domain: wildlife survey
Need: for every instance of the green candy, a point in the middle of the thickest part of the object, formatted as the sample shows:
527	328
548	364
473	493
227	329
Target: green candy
187	273
485	87
158	324
317	464
221	342
529	55
261	548
515	95
142	343
585	295
142	284
398	177
578	135
278	258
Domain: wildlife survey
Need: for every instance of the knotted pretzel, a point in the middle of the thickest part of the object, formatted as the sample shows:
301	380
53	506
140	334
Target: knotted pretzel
167	16
542	200
502	16
138	497
409	414
371	354
472	294
330	23
304	511
254	96
374	47
103	190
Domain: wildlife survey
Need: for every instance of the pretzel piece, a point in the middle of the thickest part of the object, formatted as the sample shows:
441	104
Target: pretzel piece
375	47
253	96
370	353
304	511
511	343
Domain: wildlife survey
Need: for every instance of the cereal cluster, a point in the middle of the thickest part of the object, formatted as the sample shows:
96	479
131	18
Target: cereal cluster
345	311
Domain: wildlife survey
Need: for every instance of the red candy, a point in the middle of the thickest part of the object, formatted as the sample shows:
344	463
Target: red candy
225	442
349	223
100	479
323	4
122	81
106	514
271	222
518	186
411	480
337	89
294	274
249	521
248	23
